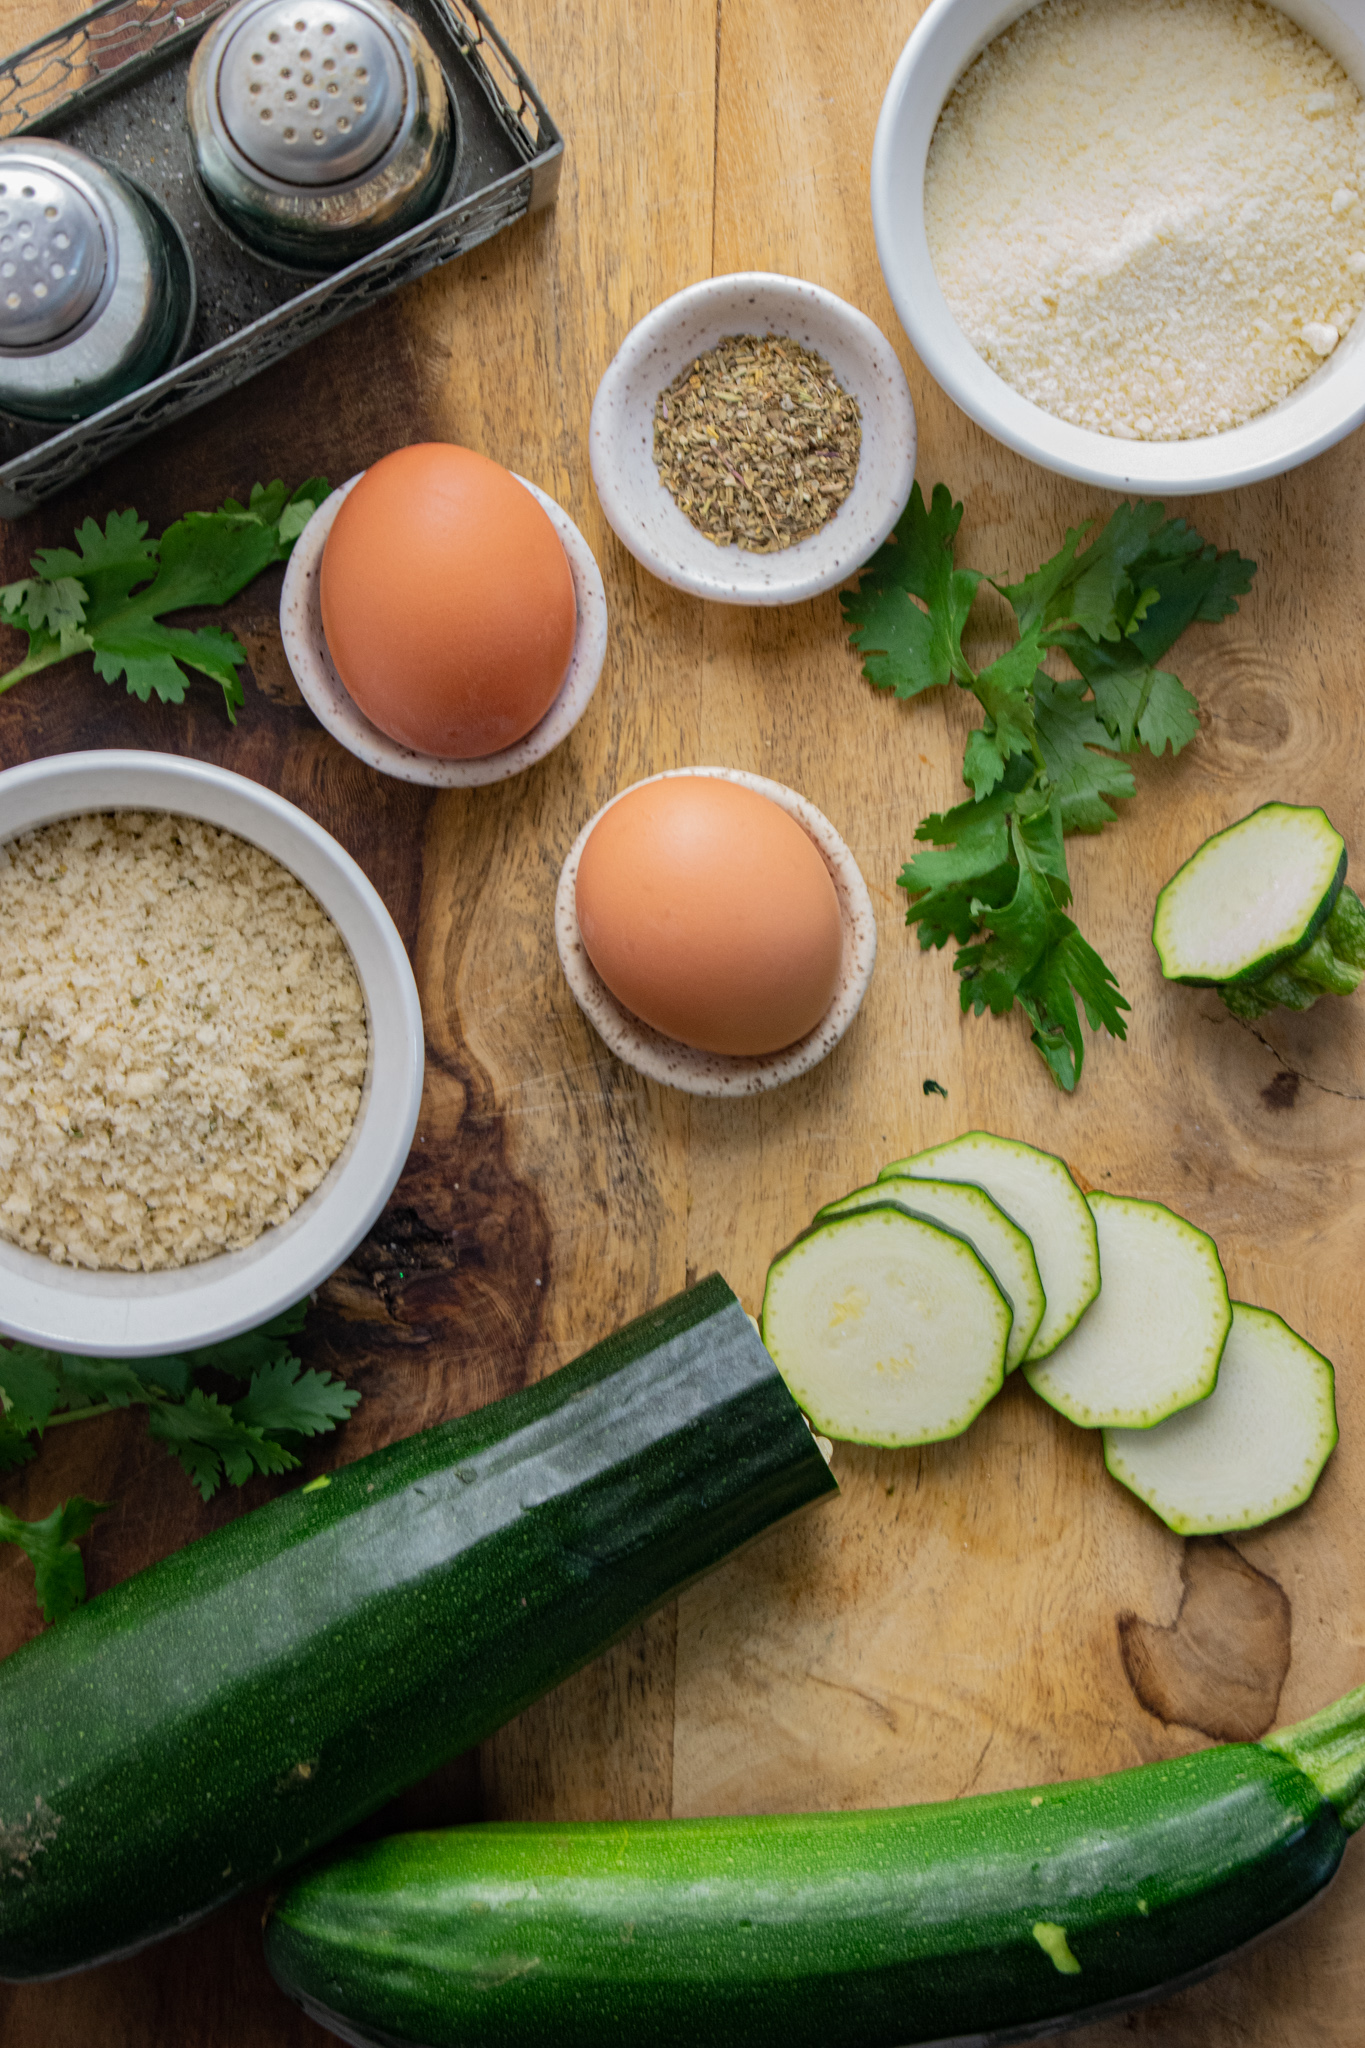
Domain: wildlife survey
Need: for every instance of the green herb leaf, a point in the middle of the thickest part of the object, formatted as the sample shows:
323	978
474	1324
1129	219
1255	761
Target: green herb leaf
58	1568
275	505
211	1443
152	658
1067	967
298	510
1084	782
1037	600
1036	956
1019	933
56	607
973	861
1200	584
16	1446
283	1399
109	594
1005	688
294	518
1045	762
912	646
31	1386
1036	826
207	557
1141	706
170	1375
109	564
86	1380
1229	577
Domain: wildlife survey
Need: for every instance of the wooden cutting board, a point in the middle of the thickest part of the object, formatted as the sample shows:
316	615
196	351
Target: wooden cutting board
975	1615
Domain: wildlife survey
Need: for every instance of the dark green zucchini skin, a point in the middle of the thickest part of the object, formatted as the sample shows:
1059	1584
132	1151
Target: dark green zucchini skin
833	1930
208	1722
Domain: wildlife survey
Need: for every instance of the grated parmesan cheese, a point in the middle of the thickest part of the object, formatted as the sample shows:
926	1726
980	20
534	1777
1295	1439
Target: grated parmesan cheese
182	1041
1144	214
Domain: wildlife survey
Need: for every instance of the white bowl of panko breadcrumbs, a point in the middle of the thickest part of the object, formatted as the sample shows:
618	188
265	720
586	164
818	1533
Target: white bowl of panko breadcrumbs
211	1054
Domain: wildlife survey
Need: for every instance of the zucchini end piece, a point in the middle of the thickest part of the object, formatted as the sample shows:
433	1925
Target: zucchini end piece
1331	966
1251	898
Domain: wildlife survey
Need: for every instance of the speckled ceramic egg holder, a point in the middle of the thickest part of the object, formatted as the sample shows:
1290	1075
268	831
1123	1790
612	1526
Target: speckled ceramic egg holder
305	646
682	1066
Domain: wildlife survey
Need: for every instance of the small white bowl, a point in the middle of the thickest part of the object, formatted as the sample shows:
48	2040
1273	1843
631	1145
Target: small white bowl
133	1315
1327	406
642	510
305	647
684	1066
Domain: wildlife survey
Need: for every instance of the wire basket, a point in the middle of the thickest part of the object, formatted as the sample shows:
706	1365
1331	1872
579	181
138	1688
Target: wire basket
112	82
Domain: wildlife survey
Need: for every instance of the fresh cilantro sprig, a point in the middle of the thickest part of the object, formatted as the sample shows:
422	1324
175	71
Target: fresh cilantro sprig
1046	759
108	595
214	1433
58	1567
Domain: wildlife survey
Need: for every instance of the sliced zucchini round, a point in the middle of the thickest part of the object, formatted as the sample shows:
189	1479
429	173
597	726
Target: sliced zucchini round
1036	1191
1251	898
887	1329
997	1240
1151	1343
1253	1450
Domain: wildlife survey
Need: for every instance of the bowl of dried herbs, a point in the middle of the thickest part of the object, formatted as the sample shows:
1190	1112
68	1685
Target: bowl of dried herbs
753	440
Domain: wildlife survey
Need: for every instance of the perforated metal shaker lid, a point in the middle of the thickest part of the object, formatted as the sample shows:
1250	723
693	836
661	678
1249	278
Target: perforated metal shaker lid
312	92
56	247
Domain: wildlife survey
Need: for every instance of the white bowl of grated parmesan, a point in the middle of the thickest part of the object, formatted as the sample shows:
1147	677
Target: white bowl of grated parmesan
211	1051
1099	265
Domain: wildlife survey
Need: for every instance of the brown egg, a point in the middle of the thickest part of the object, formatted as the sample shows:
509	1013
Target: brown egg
447	602
709	912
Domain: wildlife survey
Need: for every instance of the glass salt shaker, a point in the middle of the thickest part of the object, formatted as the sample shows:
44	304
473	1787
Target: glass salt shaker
96	283
321	128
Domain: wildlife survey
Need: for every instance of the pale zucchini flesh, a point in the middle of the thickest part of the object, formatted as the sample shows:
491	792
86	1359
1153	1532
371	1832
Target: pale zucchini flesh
1250	898
1002	1247
887	1330
1252	1450
1151	1342
1035	1189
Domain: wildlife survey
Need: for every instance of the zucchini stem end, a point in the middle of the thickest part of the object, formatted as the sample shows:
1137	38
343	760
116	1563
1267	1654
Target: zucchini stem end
1329	1748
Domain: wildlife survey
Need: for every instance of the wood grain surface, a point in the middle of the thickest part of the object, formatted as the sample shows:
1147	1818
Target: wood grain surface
974	1615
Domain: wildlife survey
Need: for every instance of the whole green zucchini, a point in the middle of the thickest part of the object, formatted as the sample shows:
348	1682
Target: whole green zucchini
993	1918
209	1721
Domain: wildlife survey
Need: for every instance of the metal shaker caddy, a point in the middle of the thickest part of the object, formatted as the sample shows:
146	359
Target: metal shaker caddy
114	84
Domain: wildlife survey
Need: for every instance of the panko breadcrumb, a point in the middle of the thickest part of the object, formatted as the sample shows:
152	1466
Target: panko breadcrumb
182	1041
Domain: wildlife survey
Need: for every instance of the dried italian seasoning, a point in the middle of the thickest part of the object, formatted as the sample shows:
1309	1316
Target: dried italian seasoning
758	442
